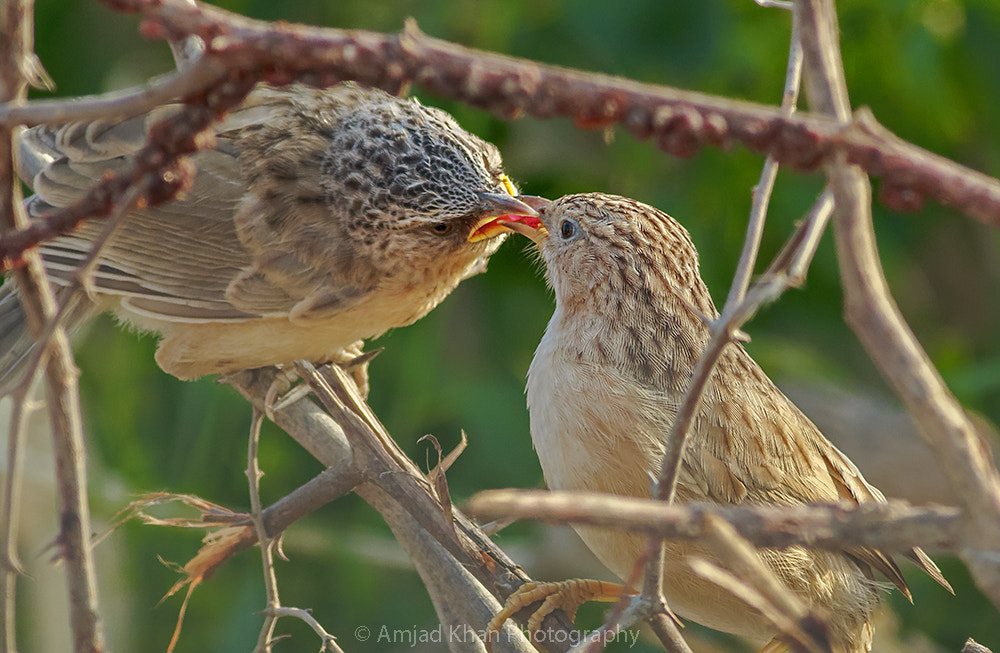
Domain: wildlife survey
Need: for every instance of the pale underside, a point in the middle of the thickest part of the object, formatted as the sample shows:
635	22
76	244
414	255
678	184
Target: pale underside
574	403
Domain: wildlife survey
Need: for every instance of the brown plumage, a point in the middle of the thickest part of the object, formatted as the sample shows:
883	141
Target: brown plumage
322	217
605	385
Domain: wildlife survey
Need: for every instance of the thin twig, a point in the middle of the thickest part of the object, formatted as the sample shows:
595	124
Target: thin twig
767	289
668	633
750	595
39	304
783	608
788	270
274	609
266	542
133	101
10	514
738	309
328	641
765	186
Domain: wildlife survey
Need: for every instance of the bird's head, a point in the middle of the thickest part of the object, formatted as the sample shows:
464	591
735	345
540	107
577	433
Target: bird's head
411	186
605	249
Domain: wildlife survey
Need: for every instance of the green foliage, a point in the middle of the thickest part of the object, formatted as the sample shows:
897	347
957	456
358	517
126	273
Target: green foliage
928	70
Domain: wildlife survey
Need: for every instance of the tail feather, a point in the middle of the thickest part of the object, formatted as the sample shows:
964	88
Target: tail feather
918	556
16	341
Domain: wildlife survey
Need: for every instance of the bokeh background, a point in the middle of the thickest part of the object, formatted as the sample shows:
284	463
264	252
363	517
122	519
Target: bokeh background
928	70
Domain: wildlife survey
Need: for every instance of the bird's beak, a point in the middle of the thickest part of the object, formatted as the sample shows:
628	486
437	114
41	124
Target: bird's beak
525	225
530	226
497	207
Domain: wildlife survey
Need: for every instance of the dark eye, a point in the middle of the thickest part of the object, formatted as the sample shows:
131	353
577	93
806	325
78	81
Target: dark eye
567	229
441	228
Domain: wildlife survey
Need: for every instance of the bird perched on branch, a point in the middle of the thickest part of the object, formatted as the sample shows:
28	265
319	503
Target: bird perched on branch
322	217
631	321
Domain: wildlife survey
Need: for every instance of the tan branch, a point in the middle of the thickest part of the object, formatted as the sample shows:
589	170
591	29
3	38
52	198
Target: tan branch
128	102
874	316
771	597
678	121
462	569
16	59
893	526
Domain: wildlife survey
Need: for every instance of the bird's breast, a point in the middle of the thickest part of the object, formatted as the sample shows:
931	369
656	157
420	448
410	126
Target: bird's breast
592	428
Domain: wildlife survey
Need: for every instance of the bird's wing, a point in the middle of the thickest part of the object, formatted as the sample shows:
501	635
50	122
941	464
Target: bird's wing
775	454
175	261
852	485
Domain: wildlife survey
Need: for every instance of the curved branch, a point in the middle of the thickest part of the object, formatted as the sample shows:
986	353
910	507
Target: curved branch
679	121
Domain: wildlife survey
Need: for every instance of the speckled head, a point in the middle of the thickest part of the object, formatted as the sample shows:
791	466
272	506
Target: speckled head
397	166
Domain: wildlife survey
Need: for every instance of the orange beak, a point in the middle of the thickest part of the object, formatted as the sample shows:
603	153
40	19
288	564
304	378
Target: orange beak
498	208
526	225
530	226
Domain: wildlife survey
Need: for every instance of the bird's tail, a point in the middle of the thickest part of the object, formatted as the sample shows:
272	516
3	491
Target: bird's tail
16	341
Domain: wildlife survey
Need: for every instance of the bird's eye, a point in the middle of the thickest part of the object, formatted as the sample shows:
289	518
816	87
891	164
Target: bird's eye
568	229
441	228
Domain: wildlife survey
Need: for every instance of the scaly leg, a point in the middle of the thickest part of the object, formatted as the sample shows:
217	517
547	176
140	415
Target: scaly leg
566	595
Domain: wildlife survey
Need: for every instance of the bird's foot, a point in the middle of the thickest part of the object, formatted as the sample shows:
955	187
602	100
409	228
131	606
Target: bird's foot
567	595
355	361
774	646
284	392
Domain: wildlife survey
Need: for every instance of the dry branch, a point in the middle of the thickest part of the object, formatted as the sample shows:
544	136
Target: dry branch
893	526
462	569
678	121
874	316
790	616
459	565
16	60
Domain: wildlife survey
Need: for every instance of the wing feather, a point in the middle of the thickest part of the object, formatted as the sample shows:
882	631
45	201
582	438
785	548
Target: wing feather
175	262
796	463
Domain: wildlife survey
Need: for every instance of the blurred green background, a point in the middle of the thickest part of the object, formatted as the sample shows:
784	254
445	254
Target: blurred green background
927	68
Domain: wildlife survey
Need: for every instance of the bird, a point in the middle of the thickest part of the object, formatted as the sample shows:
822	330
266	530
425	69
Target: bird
632	317
321	218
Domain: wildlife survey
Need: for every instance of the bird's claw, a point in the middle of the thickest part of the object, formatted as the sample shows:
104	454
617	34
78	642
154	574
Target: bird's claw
567	595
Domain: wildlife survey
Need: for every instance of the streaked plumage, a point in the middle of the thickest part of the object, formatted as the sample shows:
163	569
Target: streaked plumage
322	217
607	380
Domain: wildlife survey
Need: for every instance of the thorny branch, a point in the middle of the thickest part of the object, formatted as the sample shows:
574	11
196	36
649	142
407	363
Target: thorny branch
274	610
17	65
266	542
678	121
